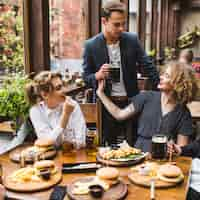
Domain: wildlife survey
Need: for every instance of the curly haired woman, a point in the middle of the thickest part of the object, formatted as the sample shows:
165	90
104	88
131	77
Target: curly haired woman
160	112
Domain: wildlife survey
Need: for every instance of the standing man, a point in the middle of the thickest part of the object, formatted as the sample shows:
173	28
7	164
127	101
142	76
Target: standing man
118	48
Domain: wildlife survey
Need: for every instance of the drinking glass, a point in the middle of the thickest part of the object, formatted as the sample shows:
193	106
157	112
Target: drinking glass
114	72
68	141
159	147
91	141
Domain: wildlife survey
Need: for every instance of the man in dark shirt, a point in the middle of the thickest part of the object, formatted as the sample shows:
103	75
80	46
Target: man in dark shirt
121	49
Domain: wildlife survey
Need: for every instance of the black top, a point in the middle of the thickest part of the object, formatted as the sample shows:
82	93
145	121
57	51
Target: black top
192	150
151	121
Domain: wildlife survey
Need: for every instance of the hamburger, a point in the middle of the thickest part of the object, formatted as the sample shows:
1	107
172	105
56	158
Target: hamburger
170	173
40	147
108	174
44	144
44	167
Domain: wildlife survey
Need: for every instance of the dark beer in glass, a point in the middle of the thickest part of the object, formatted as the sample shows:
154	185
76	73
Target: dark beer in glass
159	146
114	73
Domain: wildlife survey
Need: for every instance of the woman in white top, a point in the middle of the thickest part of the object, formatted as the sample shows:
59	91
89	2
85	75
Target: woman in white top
53	114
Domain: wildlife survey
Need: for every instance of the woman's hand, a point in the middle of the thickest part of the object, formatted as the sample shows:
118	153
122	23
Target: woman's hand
173	148
101	85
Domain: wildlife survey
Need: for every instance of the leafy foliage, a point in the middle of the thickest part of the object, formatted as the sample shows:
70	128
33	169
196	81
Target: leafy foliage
13	103
11	37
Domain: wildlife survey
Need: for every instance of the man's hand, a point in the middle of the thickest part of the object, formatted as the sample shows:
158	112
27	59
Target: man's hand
174	148
103	72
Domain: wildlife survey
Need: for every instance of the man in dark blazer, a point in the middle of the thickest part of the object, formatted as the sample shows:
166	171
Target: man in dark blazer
114	45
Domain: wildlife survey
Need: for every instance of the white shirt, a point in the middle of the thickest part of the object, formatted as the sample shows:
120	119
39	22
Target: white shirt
195	175
47	123
118	89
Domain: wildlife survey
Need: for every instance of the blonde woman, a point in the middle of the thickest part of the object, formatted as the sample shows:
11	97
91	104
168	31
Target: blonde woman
53	114
163	112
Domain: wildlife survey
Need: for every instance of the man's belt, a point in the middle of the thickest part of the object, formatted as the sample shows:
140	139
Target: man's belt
119	98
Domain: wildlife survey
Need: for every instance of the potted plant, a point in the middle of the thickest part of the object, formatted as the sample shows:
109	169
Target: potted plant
13	103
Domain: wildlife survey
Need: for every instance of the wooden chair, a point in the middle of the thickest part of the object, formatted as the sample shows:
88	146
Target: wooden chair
92	113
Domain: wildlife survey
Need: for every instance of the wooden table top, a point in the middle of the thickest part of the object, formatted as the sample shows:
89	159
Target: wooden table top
5	127
134	192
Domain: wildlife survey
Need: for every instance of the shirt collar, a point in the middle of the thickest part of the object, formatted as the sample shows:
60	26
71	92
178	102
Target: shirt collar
49	111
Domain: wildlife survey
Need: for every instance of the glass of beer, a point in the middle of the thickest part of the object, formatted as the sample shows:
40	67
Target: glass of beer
91	141
68	142
159	147
114	73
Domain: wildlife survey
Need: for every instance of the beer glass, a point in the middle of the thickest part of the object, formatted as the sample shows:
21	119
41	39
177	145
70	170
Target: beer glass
159	146
68	141
91	141
114	73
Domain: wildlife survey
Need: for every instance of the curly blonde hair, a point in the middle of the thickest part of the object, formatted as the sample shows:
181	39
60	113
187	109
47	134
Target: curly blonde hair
183	81
41	82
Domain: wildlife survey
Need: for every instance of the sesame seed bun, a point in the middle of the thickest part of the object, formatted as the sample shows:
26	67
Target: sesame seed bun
170	171
107	173
44	142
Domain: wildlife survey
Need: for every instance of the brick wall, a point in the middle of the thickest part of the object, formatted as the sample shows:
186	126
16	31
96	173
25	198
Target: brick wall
68	28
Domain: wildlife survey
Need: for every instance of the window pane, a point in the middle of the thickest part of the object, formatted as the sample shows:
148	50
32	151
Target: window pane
68	31
133	15
11	36
148	25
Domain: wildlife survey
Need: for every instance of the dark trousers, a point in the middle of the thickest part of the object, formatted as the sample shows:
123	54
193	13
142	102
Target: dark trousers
112	129
193	195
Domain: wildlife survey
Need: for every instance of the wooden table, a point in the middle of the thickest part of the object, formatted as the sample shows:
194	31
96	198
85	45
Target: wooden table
194	108
5	127
134	192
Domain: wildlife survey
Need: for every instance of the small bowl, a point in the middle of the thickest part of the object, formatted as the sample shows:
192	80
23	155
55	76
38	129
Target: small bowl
96	191
45	174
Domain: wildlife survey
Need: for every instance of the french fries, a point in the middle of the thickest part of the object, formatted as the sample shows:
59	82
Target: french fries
120	153
24	175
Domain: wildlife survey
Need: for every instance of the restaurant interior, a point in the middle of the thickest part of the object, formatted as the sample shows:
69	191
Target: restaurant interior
63	135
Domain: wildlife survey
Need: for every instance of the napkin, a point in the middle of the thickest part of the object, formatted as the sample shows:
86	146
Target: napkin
58	193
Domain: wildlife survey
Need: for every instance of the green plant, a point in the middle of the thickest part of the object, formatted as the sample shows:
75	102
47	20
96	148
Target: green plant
11	36
169	53
188	38
152	53
13	103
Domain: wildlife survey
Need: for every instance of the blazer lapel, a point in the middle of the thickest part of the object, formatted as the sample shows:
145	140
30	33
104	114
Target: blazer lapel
123	54
103	50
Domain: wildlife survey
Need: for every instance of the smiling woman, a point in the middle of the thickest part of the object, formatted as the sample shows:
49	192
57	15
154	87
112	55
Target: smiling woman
163	112
52	113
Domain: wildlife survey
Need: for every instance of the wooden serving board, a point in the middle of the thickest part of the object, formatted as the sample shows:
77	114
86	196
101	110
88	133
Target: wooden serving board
119	163
15	155
32	186
116	192
145	181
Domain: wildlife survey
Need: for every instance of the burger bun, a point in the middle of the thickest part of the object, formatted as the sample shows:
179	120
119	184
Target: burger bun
170	171
108	174
44	142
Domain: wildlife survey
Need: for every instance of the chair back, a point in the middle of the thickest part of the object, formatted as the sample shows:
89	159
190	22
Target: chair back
92	114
